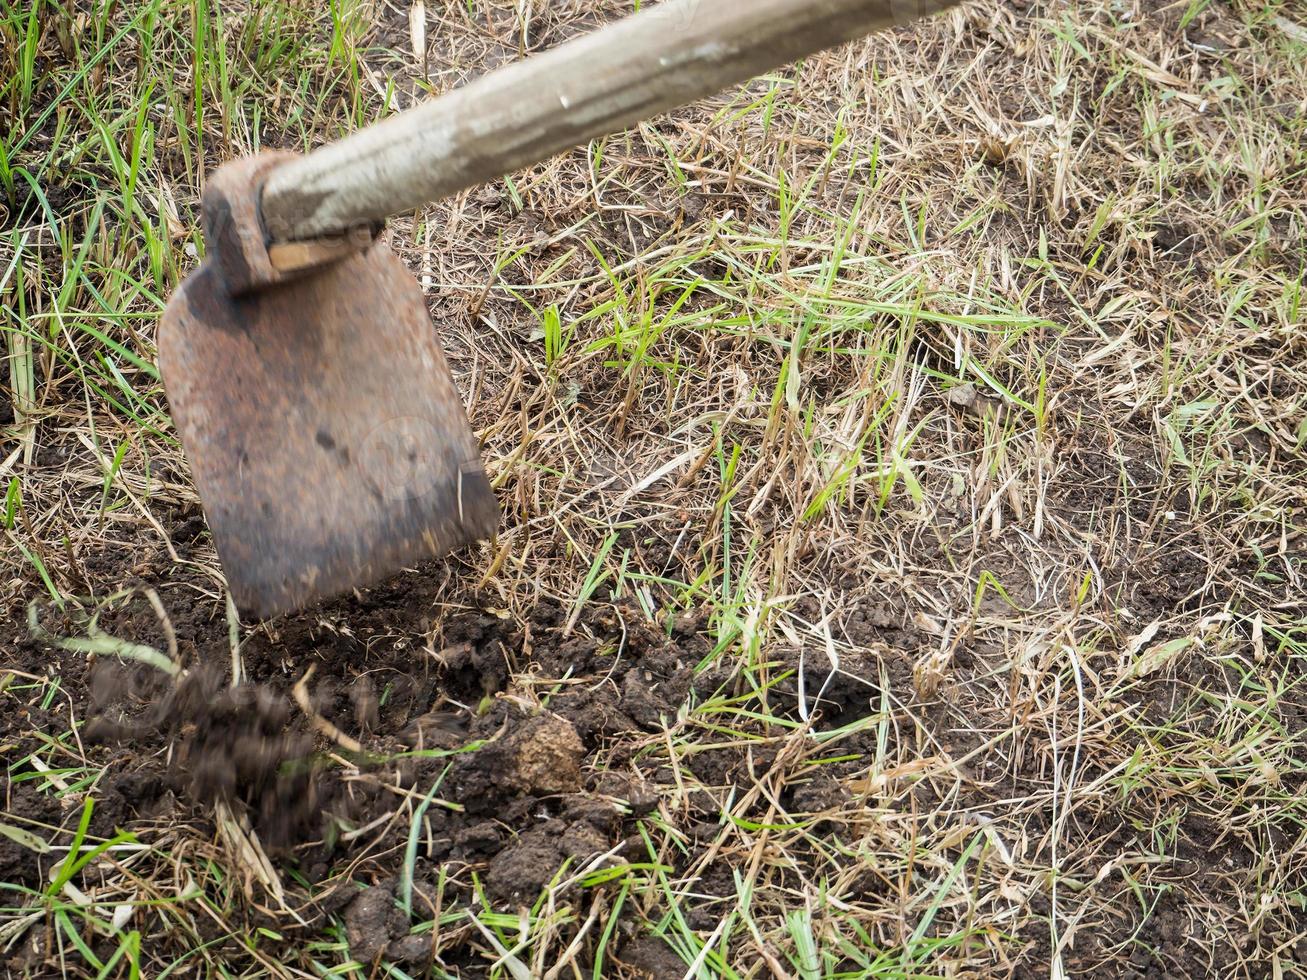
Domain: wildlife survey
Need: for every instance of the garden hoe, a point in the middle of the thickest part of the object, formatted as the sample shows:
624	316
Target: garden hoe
327	440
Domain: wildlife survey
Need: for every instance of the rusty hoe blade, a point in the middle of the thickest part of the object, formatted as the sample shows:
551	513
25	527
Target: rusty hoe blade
326	436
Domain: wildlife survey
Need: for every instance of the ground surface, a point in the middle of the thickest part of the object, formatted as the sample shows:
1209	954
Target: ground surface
902	564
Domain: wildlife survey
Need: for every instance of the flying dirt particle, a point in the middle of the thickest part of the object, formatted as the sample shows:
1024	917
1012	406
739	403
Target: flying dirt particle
367	708
235	745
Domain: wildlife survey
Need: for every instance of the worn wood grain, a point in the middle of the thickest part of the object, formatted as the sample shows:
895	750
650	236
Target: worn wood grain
666	56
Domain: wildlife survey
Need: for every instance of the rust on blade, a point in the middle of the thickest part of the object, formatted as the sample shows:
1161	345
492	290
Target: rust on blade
326	436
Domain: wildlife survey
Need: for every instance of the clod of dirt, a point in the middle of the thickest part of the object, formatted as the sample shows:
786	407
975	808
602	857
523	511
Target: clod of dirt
582	841
521	871
594	714
643	703
587	828
651	957
640	796
476	841
375	926
525	757
410	949
544	757
366	923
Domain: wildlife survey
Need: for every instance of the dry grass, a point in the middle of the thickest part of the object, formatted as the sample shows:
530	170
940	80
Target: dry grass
955	378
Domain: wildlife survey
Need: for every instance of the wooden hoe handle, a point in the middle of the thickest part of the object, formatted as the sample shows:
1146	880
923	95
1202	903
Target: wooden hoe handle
665	56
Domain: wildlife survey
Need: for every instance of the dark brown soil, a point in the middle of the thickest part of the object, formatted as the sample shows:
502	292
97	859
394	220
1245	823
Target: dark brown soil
514	791
526	741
